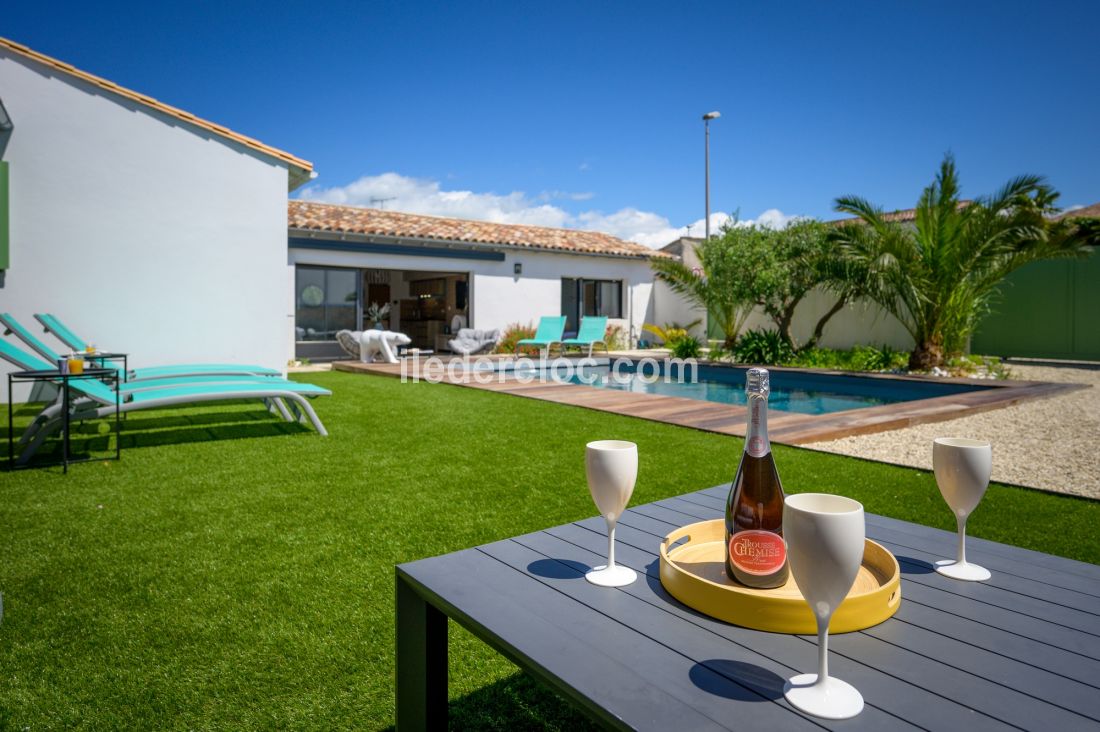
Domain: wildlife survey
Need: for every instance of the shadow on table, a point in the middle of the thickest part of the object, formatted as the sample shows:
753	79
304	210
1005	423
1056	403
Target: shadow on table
736	680
557	568
909	565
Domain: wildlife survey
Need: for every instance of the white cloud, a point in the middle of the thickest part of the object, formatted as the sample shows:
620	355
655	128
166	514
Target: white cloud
773	218
566	195
395	192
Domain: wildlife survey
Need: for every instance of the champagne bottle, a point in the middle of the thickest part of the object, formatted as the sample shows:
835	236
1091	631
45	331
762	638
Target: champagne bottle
756	555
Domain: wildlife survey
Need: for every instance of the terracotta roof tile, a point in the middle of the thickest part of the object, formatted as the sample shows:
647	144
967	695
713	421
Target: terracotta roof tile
910	214
1087	212
899	216
310	216
301	168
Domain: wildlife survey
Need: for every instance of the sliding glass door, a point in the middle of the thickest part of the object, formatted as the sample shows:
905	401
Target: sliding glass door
326	300
580	297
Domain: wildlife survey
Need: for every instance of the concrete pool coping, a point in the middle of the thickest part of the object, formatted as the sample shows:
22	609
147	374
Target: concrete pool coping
788	428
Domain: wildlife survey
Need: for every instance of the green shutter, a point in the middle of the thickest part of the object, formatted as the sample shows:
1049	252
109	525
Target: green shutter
5	216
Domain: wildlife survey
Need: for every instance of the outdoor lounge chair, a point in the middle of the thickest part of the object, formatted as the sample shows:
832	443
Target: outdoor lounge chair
549	332
28	362
70	339
94	399
469	341
593	330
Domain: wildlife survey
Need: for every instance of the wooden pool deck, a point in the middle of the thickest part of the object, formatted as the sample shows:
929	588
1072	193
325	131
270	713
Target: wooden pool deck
784	427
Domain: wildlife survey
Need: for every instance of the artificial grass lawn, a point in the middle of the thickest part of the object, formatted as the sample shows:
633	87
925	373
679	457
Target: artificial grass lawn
236	572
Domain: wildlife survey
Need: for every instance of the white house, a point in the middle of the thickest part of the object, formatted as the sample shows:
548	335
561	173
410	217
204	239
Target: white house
437	273
144	228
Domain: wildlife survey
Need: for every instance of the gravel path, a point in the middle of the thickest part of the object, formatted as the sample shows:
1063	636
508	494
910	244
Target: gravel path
1052	444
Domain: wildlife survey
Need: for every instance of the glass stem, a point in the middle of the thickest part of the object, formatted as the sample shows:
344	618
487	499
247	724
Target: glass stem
961	521
610	544
822	649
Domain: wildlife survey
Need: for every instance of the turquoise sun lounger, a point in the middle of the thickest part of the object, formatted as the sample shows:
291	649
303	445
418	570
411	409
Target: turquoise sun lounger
73	342
593	330
95	399
184	378
549	332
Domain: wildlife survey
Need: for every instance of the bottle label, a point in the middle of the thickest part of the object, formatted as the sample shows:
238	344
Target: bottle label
757	447
756	438
757	552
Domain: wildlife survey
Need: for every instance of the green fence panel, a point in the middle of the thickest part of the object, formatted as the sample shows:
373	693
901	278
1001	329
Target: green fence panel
1086	307
1046	310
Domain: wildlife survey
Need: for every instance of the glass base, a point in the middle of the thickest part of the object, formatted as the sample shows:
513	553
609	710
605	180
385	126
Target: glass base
965	571
834	699
617	576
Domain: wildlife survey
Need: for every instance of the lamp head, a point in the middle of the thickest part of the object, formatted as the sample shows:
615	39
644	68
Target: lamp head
712	115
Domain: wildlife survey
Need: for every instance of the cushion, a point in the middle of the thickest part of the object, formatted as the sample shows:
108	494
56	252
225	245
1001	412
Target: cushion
349	341
470	340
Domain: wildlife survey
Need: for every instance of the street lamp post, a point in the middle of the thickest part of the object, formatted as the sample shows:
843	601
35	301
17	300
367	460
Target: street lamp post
706	127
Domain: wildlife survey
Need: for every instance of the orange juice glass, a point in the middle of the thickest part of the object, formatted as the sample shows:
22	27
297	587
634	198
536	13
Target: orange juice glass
76	365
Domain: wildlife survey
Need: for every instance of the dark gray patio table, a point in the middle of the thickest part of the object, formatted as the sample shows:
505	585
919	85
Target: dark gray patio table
1019	651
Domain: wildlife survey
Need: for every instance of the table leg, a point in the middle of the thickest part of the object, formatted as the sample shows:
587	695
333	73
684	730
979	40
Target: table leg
118	424
65	425
421	662
11	430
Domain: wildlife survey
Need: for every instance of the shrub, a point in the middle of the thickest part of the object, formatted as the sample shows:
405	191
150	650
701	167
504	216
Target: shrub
766	347
615	338
686	347
869	358
821	358
973	365
719	352
670	332
513	334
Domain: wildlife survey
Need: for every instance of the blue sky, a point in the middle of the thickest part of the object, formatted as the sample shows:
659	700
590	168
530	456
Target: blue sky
588	114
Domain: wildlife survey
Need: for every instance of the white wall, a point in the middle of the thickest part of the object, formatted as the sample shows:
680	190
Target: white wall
860	323
669	307
139	232
499	298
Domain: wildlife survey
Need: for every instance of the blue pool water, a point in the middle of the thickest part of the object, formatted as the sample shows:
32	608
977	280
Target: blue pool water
791	391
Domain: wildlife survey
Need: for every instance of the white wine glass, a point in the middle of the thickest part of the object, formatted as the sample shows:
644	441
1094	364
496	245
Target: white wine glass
611	467
962	470
825	539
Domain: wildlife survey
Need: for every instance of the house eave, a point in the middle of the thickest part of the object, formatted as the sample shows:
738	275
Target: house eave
458	244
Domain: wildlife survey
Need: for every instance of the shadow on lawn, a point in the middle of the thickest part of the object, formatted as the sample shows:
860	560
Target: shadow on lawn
515	703
97	437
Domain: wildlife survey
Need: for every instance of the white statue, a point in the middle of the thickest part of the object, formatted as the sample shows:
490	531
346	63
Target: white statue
372	343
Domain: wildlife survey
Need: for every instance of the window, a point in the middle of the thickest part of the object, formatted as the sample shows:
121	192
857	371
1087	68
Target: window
590	297
325	301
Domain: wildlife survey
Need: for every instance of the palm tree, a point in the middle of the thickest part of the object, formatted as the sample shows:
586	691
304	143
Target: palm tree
939	275
713	289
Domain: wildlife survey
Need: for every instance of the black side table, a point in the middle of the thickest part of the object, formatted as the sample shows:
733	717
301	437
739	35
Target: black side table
56	376
101	357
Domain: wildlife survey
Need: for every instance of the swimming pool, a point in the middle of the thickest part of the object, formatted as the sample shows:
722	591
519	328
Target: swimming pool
802	392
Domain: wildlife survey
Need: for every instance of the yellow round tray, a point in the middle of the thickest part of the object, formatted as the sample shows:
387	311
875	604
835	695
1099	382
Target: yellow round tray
694	573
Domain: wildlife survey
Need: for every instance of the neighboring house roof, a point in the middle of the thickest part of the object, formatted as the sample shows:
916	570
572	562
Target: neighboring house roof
299	169
676	248
1086	212
900	216
336	219
910	214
